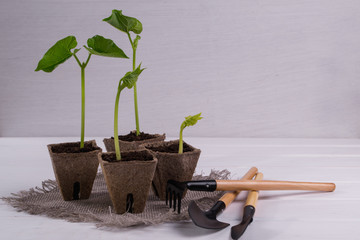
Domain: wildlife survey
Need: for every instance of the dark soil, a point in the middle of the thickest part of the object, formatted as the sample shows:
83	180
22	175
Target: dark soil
129	156
173	148
132	136
73	148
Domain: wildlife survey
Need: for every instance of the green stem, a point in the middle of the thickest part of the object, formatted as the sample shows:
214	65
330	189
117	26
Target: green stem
77	60
116	132
135	89
135	100
82	66
87	60
181	139
136	112
134	58
82	107
131	42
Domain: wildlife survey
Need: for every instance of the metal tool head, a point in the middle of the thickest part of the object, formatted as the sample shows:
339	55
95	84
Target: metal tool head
238	230
175	190
174	193
206	219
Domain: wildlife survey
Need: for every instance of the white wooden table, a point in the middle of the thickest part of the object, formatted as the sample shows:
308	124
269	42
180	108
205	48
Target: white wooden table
279	214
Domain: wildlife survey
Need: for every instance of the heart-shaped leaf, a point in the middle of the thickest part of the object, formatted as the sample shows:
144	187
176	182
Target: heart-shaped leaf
57	54
101	46
124	23
130	78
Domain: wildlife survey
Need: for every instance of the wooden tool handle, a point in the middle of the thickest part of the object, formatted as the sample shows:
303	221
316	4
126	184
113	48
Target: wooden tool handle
254	195
237	185
229	197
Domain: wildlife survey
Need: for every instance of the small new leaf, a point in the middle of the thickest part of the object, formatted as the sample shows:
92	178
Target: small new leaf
98	45
124	23
136	40
76	50
57	54
130	78
191	120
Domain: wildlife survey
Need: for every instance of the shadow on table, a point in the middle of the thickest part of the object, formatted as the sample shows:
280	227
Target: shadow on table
275	195
189	230
265	195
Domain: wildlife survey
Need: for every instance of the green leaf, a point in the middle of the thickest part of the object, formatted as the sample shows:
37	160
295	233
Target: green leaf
130	78
57	54
76	50
191	120
98	45
124	23
136	40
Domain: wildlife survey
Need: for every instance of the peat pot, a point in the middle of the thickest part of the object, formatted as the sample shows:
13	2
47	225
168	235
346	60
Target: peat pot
129	180
171	164
131	141
75	170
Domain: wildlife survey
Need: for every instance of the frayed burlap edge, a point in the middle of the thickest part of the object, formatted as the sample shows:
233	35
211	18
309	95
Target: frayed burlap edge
18	201
112	220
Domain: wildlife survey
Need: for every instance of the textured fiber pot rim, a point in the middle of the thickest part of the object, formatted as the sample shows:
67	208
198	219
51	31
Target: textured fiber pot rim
101	154
93	144
131	145
156	135
148	146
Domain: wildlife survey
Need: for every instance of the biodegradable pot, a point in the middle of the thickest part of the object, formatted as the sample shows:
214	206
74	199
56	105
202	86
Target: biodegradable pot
75	170
129	180
172	165
131	142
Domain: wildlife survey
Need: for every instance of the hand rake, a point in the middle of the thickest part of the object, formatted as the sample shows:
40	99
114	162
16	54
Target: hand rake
174	189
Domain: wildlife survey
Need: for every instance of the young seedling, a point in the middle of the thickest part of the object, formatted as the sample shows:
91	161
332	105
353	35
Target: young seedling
189	121
62	51
128	24
128	81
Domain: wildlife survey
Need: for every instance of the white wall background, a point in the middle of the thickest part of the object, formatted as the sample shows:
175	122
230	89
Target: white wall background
278	68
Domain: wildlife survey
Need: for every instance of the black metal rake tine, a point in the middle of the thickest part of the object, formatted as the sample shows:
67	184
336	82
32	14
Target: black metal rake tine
175	196
174	192
171	199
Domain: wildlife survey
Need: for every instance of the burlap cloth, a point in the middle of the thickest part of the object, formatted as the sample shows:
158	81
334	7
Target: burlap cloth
47	201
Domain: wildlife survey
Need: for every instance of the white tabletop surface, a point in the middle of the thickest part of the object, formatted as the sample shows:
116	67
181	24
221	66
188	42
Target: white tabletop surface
279	214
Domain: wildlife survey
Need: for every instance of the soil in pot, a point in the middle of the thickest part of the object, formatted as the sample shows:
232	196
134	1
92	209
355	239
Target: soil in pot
172	165
132	142
128	180
75	169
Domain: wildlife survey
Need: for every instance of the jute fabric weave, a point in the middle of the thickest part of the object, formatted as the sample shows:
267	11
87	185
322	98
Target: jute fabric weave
47	201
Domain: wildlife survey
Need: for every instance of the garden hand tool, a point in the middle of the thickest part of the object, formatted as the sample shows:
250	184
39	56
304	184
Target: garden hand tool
249	211
174	189
208	219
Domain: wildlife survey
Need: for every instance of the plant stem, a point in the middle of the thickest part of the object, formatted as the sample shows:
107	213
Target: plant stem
181	139
82	66
135	100
116	113
77	60
136	112
116	133
131	42
82	106
87	60
135	89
